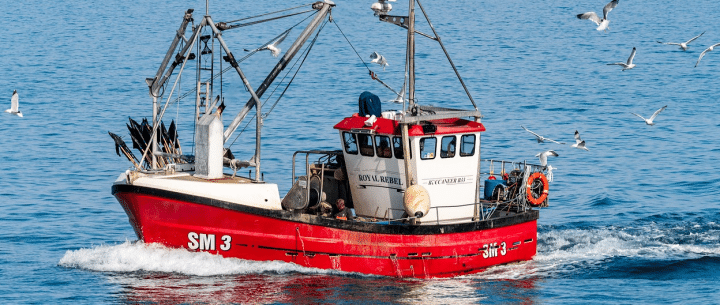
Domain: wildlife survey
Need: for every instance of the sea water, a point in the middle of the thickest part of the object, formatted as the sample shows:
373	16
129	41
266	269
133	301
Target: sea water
633	220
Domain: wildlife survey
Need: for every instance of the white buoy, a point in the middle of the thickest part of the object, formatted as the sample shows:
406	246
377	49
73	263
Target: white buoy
416	201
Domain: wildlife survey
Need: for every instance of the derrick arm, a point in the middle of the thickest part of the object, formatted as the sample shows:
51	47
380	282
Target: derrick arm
324	10
153	83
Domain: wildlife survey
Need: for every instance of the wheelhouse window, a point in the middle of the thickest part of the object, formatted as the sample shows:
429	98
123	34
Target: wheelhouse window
365	143
447	147
350	143
382	144
398	148
427	148
467	145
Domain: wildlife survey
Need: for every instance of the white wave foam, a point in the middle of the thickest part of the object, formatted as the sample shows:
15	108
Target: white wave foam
138	256
515	271
566	250
650	242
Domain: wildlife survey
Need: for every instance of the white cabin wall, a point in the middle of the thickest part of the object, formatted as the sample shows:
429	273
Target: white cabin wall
449	181
372	194
376	184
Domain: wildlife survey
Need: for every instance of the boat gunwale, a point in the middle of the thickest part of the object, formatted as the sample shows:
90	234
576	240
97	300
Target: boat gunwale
358	226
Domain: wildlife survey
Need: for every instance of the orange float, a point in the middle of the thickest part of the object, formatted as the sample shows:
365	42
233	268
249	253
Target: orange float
537	201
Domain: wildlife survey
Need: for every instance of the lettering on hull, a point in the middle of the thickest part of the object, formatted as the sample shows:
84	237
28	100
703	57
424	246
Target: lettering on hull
206	242
493	250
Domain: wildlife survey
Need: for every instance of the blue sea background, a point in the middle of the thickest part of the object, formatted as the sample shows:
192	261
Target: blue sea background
633	220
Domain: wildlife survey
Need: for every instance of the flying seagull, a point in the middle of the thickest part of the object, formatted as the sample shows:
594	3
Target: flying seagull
629	65
579	143
710	48
683	45
650	120
273	47
14	105
379	59
544	155
604	22
540	138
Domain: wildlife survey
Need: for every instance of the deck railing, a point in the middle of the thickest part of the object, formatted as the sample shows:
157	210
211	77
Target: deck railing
487	208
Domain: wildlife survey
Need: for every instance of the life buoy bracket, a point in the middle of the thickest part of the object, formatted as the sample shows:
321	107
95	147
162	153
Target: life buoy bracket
530	196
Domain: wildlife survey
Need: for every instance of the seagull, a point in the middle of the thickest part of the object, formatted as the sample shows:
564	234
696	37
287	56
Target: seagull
273	47
14	105
650	120
604	22
540	138
379	59
629	65
683	45
579	143
710	48
543	156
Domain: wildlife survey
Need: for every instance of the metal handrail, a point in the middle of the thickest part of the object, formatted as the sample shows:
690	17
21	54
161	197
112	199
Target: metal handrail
307	168
534	167
307	159
437	212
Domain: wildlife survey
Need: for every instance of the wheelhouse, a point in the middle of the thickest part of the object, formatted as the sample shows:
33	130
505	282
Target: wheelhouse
444	159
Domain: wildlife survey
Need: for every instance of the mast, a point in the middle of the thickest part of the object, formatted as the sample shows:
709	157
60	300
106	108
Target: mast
411	54
411	93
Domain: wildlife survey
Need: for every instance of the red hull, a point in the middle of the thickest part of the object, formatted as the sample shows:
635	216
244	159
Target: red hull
201	224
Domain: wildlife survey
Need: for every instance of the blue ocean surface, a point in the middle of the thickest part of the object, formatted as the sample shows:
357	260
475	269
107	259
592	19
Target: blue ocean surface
633	220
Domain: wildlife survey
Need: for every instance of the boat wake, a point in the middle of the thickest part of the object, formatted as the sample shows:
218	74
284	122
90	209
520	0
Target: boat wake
136	256
666	243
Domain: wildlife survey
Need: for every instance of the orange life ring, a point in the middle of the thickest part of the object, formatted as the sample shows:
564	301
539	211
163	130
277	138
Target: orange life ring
491	178
537	201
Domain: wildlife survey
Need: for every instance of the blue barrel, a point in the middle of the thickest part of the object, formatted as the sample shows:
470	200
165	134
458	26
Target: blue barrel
490	187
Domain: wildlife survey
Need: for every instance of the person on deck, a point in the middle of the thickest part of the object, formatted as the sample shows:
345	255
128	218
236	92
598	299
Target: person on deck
343	211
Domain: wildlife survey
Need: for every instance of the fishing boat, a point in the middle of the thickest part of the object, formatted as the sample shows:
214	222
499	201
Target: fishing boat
406	195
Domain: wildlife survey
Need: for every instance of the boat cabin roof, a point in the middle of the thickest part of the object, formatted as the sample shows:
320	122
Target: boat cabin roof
392	127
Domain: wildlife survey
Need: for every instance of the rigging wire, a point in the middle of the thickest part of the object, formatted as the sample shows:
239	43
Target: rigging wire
251	17
296	72
467	91
372	74
306	53
265	20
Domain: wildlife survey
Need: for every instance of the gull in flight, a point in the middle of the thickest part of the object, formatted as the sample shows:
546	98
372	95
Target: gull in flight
604	22
14	105
683	45
379	59
710	48
544	155
540	138
273	47
650	120
629	65
579	143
